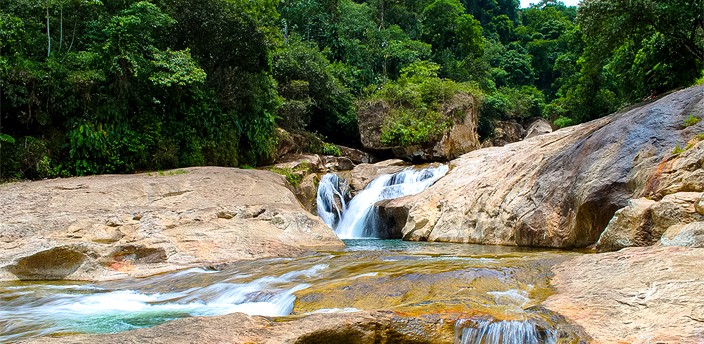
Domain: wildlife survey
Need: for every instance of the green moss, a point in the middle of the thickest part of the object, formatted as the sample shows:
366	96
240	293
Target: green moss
295	175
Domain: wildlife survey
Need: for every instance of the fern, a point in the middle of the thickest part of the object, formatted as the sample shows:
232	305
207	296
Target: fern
6	138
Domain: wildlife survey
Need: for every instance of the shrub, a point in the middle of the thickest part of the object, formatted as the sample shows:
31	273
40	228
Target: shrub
331	149
691	120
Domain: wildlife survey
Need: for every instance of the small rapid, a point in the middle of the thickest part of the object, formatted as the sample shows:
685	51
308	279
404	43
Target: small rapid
413	278
502	332
44	309
359	219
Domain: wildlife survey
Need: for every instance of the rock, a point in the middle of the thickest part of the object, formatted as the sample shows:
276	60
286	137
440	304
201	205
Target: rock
636	295
307	192
356	156
290	143
642	222
688	235
334	163
363	174
562	189
117	226
377	327
460	138
630	226
506	132
540	126
308	163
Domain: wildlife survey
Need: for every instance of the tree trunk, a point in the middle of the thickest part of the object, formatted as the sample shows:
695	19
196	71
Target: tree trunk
48	31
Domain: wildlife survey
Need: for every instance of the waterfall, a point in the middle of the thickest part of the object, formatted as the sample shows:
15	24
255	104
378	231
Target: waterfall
360	219
501	332
333	194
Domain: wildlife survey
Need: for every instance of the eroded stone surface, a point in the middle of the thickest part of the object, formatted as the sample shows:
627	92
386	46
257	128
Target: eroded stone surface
636	295
115	226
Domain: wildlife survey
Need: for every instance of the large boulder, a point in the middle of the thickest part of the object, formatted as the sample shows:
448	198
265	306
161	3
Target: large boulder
539	127
506	132
115	226
561	189
643	221
637	295
461	136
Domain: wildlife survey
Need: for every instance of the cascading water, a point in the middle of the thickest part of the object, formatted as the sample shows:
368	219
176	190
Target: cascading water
36	310
502	332
333	194
359	219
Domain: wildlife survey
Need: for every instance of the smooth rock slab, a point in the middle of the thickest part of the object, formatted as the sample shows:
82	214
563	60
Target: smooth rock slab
636	295
116	226
561	189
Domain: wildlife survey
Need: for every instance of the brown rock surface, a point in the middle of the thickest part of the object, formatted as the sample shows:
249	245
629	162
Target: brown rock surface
115	226
562	189
359	328
506	132
642	222
363	174
540	126
687	235
636	295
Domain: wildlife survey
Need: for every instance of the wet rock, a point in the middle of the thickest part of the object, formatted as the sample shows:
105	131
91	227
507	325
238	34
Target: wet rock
117	226
460	138
636	295
378	327
51	264
562	189
540	126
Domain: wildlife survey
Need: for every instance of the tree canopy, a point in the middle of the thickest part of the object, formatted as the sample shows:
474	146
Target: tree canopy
104	86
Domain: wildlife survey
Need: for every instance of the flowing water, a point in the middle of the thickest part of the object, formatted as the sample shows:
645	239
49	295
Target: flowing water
493	290
359	219
414	278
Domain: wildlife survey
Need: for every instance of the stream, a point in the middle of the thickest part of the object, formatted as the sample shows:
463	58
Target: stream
495	287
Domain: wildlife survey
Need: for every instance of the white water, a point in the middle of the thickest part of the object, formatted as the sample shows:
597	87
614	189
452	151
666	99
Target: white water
72	310
359	219
502	332
332	199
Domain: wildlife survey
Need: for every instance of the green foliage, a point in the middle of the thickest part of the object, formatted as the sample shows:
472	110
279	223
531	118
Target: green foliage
562	122
313	98
331	149
6	138
293	176
407	128
416	104
117	86
691	120
678	150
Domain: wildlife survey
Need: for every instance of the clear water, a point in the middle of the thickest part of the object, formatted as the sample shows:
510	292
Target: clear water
368	274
